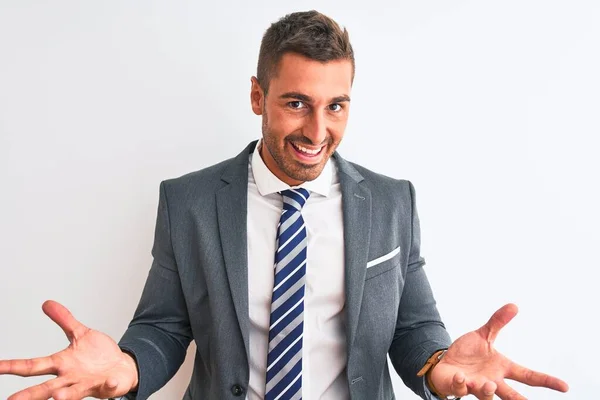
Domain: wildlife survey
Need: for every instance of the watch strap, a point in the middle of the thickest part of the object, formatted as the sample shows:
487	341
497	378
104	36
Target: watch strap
432	362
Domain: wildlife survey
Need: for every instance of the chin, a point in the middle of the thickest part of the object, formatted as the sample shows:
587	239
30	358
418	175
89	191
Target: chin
307	173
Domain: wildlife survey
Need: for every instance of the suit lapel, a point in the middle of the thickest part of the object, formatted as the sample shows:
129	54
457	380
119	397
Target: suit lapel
232	208
356	211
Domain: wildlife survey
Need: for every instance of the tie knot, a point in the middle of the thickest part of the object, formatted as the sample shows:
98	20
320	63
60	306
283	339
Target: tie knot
294	198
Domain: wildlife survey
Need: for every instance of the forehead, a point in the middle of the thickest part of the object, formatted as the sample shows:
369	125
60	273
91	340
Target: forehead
296	73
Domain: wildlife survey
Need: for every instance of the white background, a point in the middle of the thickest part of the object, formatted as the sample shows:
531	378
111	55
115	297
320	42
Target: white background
490	108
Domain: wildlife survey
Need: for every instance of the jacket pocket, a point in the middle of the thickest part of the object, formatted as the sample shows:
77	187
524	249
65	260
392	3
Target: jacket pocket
383	264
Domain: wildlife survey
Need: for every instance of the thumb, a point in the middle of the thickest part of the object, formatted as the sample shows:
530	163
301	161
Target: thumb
449	380
63	318
110	387
498	321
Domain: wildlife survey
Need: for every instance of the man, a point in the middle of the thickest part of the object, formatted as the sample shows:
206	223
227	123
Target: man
296	272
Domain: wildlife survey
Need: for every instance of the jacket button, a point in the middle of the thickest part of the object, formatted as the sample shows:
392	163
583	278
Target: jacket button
237	390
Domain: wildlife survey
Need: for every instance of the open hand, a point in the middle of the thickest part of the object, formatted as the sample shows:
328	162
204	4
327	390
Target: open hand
93	364
472	365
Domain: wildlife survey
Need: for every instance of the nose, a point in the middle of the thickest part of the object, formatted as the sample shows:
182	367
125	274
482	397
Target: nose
316	128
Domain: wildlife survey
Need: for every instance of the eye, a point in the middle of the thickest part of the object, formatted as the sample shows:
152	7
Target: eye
335	107
296	105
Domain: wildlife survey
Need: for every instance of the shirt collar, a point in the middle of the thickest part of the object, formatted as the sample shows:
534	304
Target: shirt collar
268	183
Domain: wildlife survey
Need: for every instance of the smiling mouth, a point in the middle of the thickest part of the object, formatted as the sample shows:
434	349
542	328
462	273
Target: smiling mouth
306	152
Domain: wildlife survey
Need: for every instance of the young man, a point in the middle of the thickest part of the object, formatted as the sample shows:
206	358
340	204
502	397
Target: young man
295	271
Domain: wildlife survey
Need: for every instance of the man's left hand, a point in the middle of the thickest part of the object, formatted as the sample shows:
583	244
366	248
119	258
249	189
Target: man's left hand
472	365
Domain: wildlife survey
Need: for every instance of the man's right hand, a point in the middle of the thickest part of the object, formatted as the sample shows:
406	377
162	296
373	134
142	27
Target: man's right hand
92	366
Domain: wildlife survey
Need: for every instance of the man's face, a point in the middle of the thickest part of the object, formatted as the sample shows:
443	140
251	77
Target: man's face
304	115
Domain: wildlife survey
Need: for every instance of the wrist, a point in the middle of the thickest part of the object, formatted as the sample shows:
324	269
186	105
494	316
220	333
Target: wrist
431	386
132	364
427	370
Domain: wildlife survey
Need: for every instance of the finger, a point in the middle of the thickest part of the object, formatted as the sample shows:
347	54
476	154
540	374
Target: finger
75	392
111	384
110	388
29	367
459	385
89	388
505	392
485	391
498	321
533	378
41	391
63	318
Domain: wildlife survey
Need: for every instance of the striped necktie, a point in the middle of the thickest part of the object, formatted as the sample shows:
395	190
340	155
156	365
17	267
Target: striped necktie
284	361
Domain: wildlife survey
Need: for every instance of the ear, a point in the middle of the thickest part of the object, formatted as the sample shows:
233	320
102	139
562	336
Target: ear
257	96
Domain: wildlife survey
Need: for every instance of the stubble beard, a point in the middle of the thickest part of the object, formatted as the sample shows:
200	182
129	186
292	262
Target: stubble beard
292	168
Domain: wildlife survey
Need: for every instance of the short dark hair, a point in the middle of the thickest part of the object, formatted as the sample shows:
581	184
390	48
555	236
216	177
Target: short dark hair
308	33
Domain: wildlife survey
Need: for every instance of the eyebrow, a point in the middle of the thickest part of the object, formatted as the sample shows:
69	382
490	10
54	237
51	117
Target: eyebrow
308	99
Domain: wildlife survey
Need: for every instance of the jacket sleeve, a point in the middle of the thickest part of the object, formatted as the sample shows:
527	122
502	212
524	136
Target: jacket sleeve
419	329
160	333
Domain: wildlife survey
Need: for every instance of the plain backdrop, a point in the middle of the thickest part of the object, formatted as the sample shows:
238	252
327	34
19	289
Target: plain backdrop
491	109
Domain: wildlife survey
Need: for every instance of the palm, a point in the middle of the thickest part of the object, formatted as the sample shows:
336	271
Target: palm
92	364
474	355
94	354
472	365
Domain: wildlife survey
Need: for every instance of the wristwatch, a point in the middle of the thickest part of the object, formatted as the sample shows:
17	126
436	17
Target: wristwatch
432	362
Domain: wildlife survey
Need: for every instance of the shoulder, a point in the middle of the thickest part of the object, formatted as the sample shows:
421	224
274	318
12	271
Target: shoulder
205	177
380	185
392	199
207	181
199	188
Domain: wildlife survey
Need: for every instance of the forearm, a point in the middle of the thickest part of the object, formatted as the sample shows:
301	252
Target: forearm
407	359
159	334
157	354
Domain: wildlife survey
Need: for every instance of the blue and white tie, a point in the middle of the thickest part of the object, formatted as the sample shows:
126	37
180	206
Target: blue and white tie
284	361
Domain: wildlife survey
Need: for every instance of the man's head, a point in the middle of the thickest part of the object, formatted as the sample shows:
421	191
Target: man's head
302	90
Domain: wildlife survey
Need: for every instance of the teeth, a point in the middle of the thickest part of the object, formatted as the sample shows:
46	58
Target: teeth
307	151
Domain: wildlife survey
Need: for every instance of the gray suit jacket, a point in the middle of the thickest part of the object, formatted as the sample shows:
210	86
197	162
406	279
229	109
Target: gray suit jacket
197	288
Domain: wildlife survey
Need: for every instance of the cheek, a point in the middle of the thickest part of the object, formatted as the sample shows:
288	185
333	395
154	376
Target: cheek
337	130
283	124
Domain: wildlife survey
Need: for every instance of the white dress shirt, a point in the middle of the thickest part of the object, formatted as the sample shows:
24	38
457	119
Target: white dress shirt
324	342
